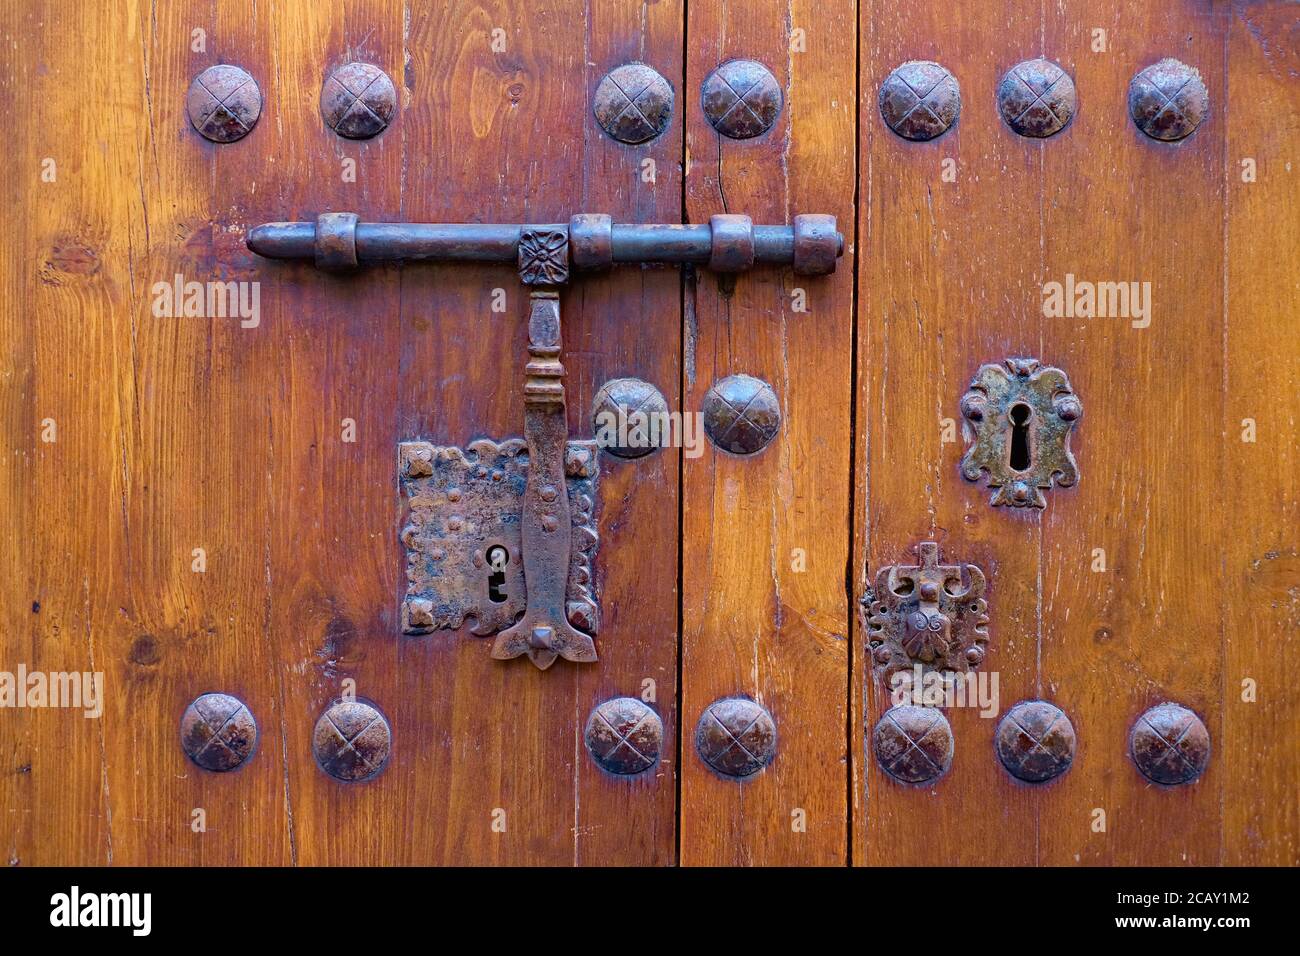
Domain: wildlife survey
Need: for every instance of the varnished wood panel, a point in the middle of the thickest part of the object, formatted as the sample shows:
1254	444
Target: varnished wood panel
1261	501
177	434
1119	206
947	282
765	537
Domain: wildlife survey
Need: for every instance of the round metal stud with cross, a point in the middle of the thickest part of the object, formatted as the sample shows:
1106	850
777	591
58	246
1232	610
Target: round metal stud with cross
1037	98
223	103
1170	745
624	736
741	99
741	414
352	741
1035	741
913	744
1168	100
736	737
920	100
631	408
218	732
633	103
358	100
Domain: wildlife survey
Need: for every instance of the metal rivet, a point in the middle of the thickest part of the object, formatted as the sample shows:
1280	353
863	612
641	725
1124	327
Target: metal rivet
741	99
741	414
623	407
1035	741
633	103
920	100
623	736
218	732
1167	100
1037	98
351	741
358	100
223	103
736	737
913	744
1170	744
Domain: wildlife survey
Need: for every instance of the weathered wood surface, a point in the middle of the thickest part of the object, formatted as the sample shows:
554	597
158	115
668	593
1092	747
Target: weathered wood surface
719	575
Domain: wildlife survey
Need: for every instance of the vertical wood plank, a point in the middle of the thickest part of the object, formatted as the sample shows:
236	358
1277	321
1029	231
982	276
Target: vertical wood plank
1261	566
1121	207
628	322
83	243
766	537
946	284
333	359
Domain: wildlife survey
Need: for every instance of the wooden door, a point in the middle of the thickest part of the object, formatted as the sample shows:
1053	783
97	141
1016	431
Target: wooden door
212	503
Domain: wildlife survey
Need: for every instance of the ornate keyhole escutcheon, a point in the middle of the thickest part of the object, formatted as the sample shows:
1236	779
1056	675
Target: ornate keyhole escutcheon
1021	414
927	614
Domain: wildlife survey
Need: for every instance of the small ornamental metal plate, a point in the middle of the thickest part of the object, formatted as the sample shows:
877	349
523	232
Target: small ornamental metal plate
1022	416
929	614
464	541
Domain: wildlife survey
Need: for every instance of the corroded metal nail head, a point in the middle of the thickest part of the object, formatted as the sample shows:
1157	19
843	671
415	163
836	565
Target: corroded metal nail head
218	732
741	99
624	736
1168	100
358	100
1035	741
736	737
1037	98
223	103
352	741
1170	744
633	103
741	414
626	409
920	100
913	744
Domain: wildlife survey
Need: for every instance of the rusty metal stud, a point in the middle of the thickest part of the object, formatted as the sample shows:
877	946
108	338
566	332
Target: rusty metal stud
1168	100
1170	744
351	741
218	732
741	99
223	103
623	736
1037	98
1035	741
633	103
741	414
736	737
358	100
913	744
920	100
632	413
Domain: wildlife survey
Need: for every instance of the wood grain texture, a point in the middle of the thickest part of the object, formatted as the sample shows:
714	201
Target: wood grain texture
176	434
1117	642
1261	565
947	282
754	625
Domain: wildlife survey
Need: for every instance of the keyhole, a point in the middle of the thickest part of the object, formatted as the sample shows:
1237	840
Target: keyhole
1020	437
497	559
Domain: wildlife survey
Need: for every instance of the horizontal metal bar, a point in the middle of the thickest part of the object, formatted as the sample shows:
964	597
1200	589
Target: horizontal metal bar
726	243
